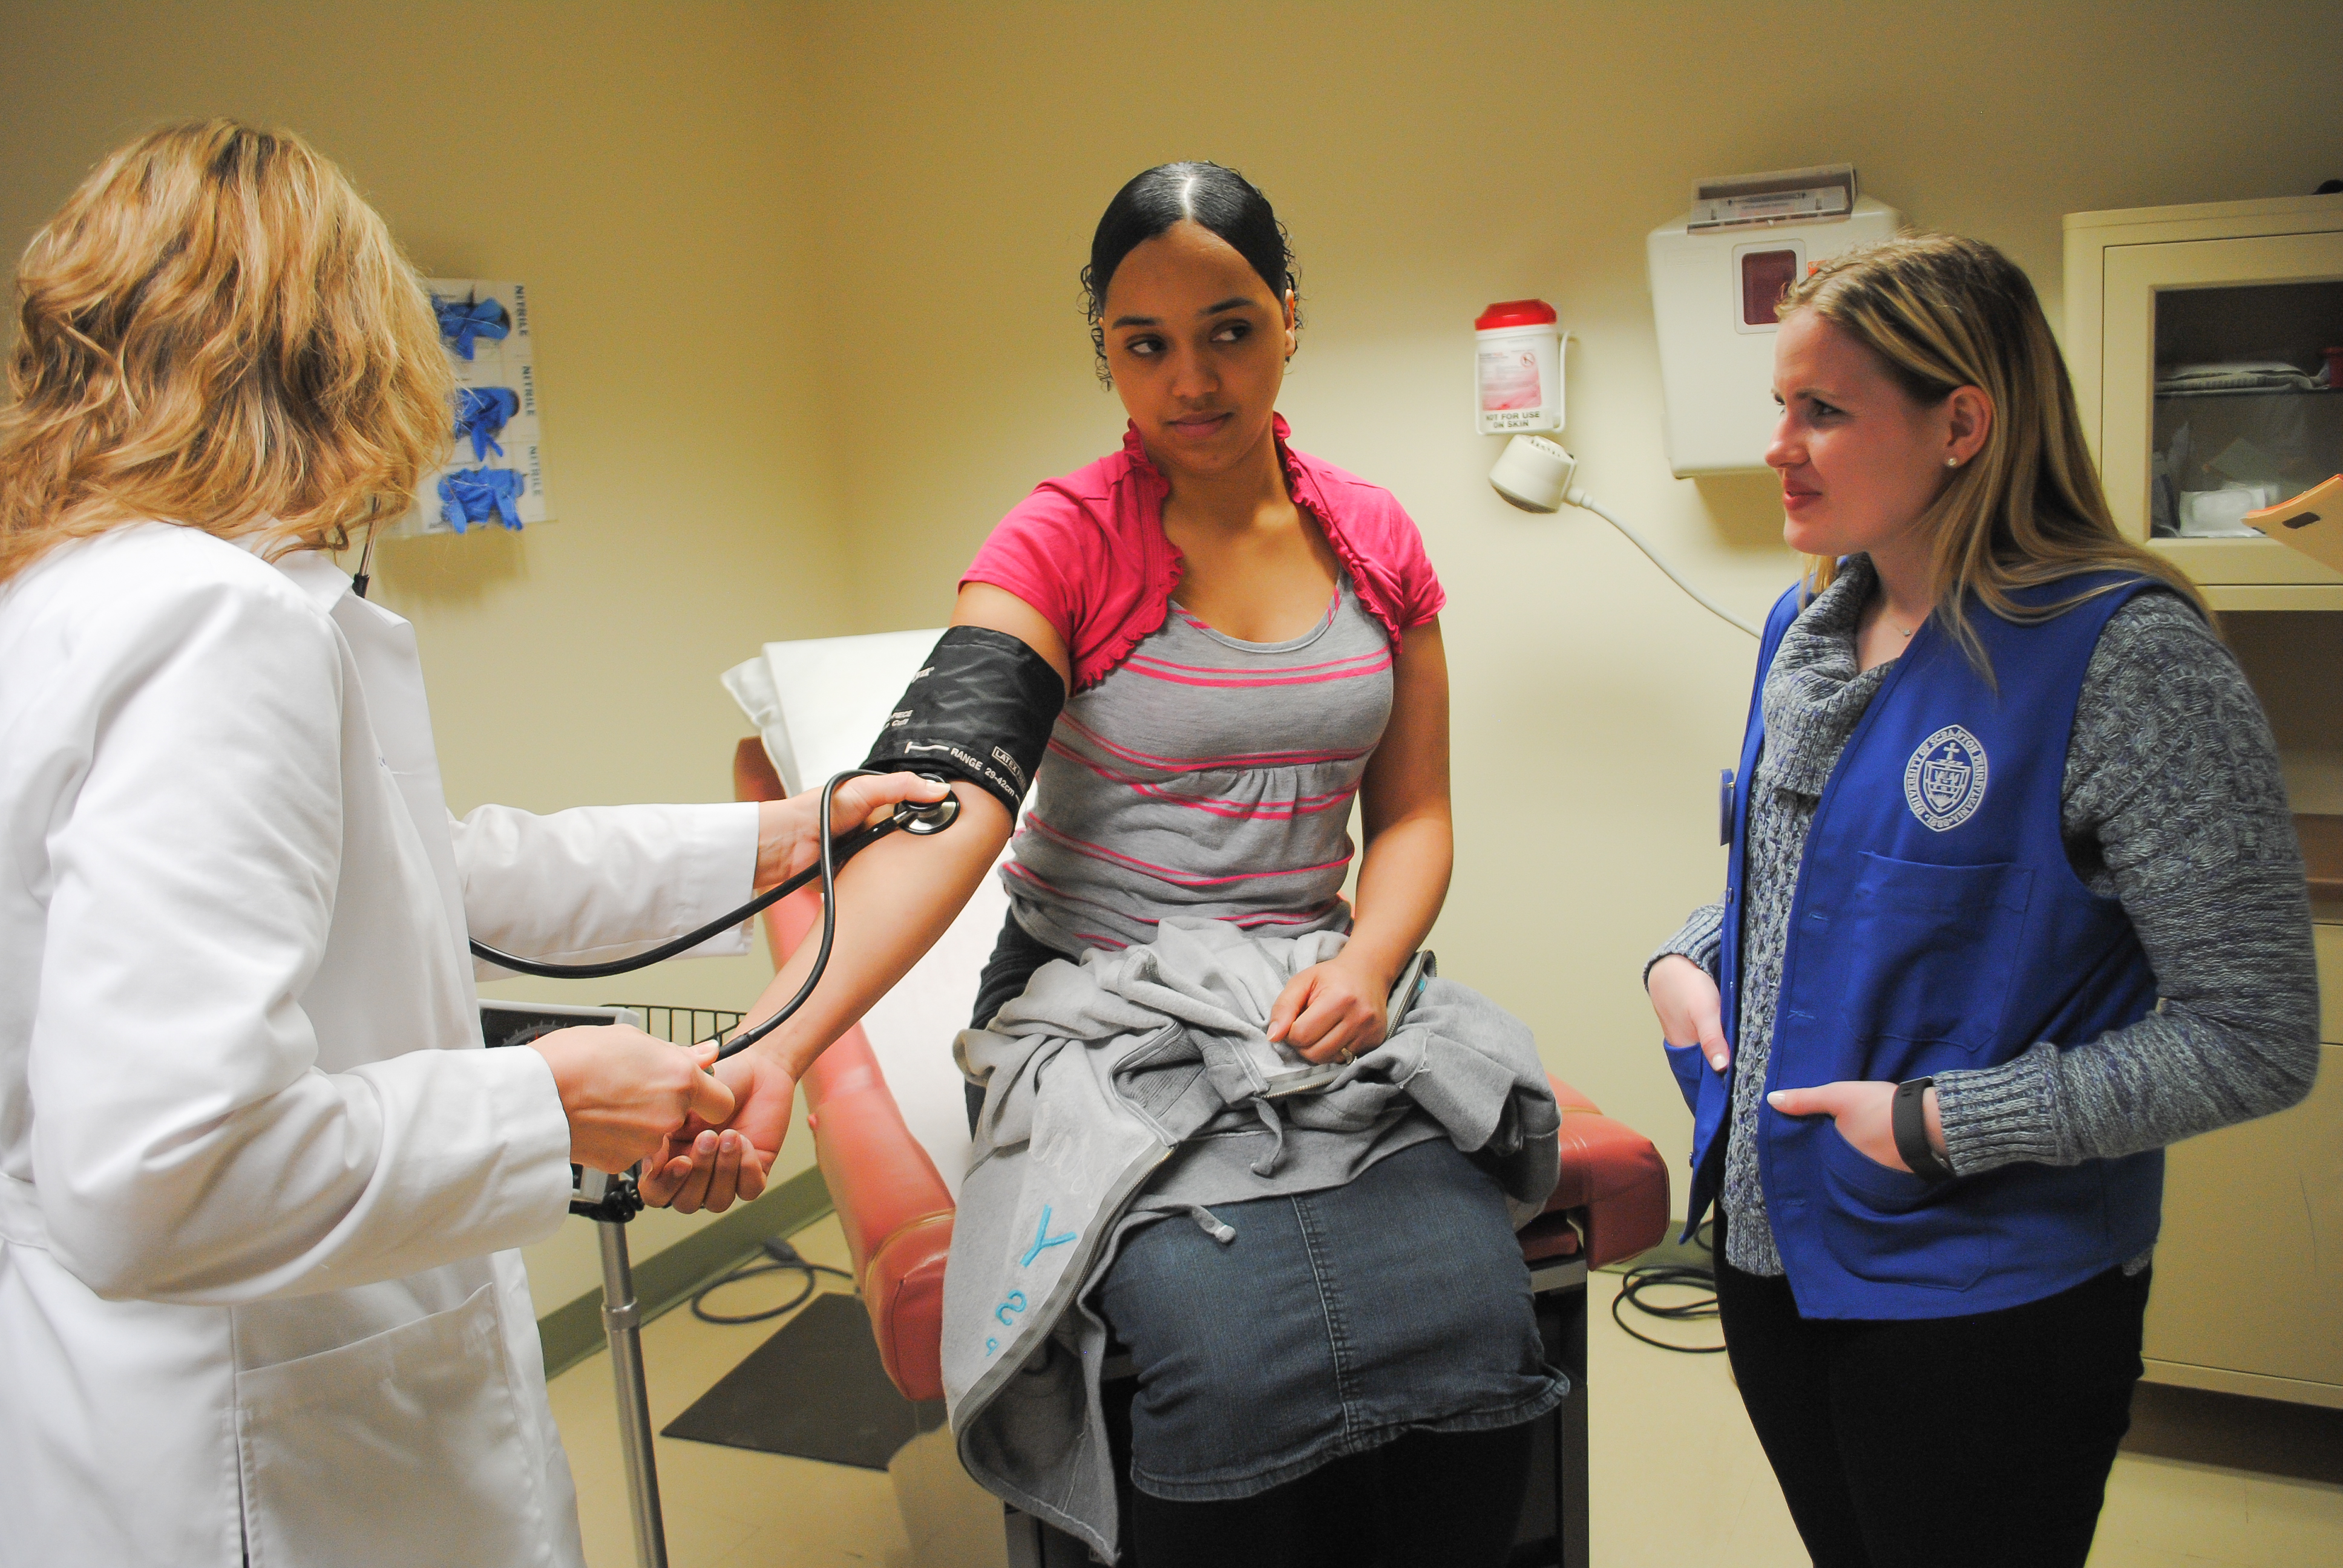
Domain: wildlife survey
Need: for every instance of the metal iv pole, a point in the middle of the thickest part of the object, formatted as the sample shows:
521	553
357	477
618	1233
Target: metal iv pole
610	1201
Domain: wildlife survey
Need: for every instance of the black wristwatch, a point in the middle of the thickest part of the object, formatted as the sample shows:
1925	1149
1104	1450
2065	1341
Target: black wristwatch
1909	1116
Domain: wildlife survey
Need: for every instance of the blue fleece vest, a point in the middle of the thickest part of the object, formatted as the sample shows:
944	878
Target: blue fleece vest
1937	925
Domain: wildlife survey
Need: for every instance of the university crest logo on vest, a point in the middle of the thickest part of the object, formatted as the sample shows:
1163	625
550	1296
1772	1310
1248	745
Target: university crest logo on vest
1945	782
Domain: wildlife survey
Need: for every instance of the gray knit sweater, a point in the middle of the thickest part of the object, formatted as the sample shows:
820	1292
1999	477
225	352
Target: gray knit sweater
2172	803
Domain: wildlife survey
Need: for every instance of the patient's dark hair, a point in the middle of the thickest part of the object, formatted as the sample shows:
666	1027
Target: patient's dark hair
1221	199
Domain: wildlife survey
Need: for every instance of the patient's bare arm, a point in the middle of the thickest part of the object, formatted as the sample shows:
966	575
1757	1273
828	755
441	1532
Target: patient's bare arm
894	899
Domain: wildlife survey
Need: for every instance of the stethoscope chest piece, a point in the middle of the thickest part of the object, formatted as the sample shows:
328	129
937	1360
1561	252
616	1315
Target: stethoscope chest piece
920	821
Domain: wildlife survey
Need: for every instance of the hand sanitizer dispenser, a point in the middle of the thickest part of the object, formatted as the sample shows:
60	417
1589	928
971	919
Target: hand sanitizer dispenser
1716	274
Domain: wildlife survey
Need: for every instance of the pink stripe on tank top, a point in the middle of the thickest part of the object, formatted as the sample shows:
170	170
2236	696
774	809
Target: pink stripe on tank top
1218	807
1206	778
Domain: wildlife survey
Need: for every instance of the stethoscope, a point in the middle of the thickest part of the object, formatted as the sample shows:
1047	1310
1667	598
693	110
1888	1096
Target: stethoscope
920	821
917	819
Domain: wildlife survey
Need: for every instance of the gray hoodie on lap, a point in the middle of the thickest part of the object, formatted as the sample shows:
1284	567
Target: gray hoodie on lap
1130	1087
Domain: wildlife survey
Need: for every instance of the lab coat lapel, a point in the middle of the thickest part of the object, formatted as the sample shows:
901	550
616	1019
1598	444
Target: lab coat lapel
390	669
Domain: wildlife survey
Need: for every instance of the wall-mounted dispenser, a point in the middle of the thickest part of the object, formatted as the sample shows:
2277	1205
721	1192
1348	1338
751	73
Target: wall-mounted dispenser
1716	274
1517	368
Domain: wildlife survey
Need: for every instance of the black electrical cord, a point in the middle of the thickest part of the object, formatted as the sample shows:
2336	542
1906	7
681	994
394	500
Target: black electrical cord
779	1257
920	819
1664	1276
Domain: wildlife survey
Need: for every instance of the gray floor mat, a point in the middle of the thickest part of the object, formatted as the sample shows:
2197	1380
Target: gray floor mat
815	1390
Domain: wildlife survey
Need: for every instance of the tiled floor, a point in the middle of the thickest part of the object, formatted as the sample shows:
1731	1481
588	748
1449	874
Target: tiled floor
1676	1477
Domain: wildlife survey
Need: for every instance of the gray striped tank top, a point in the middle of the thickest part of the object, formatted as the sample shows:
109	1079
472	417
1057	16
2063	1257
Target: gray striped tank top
1207	778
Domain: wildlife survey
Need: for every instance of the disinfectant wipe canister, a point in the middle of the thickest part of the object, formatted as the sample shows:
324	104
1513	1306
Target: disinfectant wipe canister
1518	368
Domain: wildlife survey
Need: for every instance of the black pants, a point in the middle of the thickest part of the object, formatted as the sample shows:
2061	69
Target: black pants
1015	956
1426	1500
1948	1443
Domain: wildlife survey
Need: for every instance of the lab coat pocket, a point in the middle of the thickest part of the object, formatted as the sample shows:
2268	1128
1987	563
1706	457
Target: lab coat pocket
405	1448
1926	950
1889	1225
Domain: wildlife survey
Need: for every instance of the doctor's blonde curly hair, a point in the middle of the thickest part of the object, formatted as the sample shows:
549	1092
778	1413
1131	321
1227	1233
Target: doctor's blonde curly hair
216	331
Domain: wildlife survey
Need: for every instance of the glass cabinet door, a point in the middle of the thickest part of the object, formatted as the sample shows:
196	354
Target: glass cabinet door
2224	370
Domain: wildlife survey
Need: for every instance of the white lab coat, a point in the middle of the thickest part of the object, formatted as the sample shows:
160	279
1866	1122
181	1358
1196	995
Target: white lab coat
259	1184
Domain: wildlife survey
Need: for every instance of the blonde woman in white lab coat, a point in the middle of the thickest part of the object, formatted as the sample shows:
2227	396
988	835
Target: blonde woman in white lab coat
259	1186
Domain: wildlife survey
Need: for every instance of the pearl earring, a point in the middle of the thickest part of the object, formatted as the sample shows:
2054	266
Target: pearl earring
1952	462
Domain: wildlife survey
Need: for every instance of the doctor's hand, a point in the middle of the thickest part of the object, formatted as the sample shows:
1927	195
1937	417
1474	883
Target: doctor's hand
624	1091
789	832
710	1166
1332	1008
1864	1114
1690	1013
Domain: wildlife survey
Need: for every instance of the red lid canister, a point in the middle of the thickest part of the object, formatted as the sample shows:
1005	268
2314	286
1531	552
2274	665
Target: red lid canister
1516	312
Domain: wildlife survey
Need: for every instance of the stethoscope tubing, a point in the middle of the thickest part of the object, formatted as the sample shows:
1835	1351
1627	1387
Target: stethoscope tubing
931	818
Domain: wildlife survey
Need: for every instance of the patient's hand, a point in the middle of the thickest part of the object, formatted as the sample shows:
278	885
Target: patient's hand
704	1171
1332	1008
704	1167
789	832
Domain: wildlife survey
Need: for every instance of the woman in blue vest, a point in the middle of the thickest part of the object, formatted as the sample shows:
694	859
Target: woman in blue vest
2003	791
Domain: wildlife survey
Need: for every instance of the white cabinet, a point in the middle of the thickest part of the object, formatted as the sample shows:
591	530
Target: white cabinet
2199	339
2248	1295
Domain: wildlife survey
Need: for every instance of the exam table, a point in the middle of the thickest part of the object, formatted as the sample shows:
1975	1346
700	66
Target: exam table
885	1108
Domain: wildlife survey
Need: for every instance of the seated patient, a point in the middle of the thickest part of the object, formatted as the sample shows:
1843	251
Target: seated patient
1328	1314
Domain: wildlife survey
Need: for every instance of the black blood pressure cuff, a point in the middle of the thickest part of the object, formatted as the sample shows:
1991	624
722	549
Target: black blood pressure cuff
981	710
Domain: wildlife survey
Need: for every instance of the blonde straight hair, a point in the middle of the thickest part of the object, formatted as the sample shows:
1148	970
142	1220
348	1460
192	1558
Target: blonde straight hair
217	332
1941	312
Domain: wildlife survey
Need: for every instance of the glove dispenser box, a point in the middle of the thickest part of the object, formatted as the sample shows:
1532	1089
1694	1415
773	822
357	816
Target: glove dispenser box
1713	288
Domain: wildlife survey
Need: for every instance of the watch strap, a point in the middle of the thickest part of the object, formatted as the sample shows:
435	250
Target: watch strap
1909	1117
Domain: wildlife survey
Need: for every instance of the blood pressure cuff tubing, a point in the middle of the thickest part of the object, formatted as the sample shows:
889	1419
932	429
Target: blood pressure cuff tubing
981	710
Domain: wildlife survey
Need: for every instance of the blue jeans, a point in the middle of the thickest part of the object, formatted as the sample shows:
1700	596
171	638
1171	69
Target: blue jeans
1337	1322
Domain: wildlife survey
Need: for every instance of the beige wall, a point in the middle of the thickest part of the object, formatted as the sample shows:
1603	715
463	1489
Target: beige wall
644	185
806	280
1430	159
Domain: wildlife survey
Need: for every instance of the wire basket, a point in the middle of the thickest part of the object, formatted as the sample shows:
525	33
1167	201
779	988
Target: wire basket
683	1025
